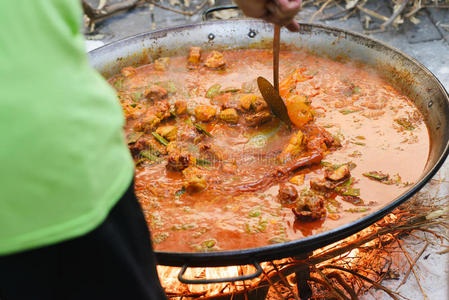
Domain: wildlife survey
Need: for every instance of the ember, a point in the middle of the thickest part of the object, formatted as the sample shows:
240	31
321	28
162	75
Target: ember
343	270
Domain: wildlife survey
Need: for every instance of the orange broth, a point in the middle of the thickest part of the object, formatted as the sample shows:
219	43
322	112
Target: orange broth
379	129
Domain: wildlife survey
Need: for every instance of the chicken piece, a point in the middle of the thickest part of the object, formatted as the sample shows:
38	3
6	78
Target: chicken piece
161	64
173	147
147	124
194	181
178	161
259	105
188	133
287	194
341	173
194	55
309	207
205	113
322	185
155	93
169	132
215	60
294	147
246	101
259	118
180	107
229	115
138	146
128	71
162	110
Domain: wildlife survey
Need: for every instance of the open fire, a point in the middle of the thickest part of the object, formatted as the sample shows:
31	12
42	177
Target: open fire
343	270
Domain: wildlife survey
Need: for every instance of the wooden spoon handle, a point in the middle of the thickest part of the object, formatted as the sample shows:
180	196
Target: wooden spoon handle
276	49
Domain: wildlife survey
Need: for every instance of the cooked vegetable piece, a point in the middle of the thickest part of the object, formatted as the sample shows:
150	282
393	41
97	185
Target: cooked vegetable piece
201	129
159	238
406	124
354	200
299	110
194	181
295	146
194	55
213	91
205	113
229	115
298	179
161	64
160	139
203	162
351	192
149	155
375	175
215	60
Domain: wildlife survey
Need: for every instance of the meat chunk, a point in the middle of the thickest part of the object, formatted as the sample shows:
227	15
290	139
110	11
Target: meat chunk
178	161
169	132
155	93
259	105
128	71
287	194
162	109
194	181
147	124
229	115
138	146
341	173
246	101
161	64
259	118
180	107
215	60
309	207
322	185
188	134
194	55
205	113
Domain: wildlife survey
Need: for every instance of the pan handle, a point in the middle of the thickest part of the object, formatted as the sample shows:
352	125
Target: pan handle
208	11
219	280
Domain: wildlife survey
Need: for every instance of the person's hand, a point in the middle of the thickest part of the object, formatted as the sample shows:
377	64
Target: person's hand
281	12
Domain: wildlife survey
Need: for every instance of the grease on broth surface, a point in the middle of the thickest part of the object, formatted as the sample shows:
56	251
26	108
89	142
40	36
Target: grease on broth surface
216	171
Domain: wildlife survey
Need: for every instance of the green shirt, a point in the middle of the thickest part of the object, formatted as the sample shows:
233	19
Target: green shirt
63	159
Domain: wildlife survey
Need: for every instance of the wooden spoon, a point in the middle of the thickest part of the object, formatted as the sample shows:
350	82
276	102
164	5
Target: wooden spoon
269	93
